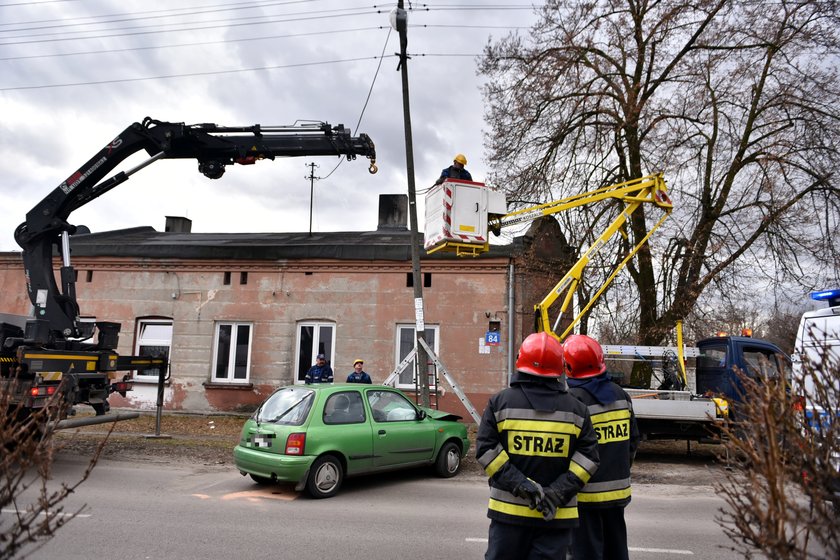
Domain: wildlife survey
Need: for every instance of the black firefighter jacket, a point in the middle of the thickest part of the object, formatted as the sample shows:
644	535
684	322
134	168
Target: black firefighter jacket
535	429
611	411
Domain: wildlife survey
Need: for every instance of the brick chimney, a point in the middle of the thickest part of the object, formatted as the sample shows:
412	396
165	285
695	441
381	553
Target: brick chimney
393	212
178	224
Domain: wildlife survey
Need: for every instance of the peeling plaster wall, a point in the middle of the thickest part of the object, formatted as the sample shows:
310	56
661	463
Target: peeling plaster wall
366	300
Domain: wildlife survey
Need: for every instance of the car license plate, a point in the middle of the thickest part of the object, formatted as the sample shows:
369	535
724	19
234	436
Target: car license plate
263	440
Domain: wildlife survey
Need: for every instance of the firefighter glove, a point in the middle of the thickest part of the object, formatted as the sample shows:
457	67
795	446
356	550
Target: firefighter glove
547	508
557	497
531	491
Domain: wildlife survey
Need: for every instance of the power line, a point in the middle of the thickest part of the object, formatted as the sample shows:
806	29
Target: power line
192	74
195	44
126	32
239	70
34	3
127	16
367	99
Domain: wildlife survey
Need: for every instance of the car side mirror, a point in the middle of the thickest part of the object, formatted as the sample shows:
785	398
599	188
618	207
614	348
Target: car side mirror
421	414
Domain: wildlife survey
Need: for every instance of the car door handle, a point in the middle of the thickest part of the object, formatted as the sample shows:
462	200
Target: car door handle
381	432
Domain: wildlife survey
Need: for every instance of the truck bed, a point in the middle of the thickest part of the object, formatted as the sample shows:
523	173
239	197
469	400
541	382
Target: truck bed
674	405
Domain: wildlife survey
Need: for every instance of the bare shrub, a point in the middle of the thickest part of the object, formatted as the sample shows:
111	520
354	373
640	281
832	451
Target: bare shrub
32	508
783	452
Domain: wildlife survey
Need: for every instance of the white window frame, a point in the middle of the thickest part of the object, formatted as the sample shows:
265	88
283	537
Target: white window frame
398	356
329	352
230	367
140	340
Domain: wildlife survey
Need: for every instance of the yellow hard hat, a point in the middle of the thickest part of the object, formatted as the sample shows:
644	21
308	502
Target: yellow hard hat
358	361
461	158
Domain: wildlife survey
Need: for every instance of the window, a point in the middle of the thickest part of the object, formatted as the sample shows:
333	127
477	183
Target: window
712	356
232	356
154	337
344	408
313	338
406	340
387	406
761	363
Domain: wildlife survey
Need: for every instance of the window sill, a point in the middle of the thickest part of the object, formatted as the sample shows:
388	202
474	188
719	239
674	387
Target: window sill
231	386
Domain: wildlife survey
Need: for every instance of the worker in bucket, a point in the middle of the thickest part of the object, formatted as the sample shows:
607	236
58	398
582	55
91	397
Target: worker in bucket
602	534
455	171
358	375
321	372
538	447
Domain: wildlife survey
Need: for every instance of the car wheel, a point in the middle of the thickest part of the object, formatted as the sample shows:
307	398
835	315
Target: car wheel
261	479
325	477
448	460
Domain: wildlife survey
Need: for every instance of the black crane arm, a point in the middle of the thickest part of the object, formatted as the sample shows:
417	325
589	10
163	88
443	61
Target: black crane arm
214	147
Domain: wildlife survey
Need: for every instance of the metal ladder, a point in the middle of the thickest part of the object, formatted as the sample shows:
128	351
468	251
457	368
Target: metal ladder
456	388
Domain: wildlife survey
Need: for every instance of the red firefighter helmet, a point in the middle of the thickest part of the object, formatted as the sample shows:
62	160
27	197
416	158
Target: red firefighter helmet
540	354
584	357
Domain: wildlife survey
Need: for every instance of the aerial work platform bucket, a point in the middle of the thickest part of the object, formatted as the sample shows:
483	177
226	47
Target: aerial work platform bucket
456	217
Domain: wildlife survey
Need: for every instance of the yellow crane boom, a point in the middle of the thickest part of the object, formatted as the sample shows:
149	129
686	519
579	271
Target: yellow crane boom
632	194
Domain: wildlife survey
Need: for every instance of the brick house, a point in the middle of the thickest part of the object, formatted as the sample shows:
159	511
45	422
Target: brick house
242	314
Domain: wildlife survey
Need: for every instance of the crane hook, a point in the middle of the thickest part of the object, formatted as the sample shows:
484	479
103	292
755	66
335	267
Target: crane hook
372	169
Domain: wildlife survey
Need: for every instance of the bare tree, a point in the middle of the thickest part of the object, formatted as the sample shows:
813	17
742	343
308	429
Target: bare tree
32	507
783	489
736	103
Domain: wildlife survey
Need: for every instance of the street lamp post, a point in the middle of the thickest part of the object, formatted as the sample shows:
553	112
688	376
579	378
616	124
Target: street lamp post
399	21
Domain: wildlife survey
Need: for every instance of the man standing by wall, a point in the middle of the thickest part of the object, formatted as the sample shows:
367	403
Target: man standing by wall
602	534
358	375
320	372
537	445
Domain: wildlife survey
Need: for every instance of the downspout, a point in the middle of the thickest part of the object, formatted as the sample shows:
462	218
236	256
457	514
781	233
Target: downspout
511	329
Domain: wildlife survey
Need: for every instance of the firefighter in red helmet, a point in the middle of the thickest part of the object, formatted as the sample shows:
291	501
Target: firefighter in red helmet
537	445
602	534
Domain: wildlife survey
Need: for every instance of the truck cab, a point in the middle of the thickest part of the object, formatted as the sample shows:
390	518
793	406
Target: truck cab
721	357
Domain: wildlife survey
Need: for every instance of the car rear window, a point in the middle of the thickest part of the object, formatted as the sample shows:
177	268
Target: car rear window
287	406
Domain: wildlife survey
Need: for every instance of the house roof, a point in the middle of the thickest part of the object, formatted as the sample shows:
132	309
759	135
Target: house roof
383	244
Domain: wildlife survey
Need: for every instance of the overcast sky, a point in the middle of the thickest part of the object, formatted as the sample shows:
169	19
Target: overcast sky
76	73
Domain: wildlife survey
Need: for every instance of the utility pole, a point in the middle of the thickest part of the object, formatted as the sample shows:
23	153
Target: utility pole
311	178
399	21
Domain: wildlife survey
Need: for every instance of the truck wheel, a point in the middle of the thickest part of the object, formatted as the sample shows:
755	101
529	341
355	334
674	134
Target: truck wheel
325	477
448	461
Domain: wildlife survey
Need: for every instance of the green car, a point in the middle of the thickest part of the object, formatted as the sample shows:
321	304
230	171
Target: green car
316	435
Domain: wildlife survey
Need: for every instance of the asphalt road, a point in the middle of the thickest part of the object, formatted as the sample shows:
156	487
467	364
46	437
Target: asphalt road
161	509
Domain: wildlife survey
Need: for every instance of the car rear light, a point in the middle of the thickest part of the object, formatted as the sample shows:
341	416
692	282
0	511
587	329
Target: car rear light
295	444
43	390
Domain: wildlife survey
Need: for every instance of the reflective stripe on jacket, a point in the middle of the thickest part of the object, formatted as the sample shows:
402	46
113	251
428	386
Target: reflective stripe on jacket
514	441
618	438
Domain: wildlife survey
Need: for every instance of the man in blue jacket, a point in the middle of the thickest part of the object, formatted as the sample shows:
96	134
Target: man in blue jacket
320	372
358	375
602	534
455	171
537	445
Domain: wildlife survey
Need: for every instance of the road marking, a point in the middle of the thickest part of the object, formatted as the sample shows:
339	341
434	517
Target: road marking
661	551
473	539
17	512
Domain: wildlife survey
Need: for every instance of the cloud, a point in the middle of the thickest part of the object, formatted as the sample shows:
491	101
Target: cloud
264	62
